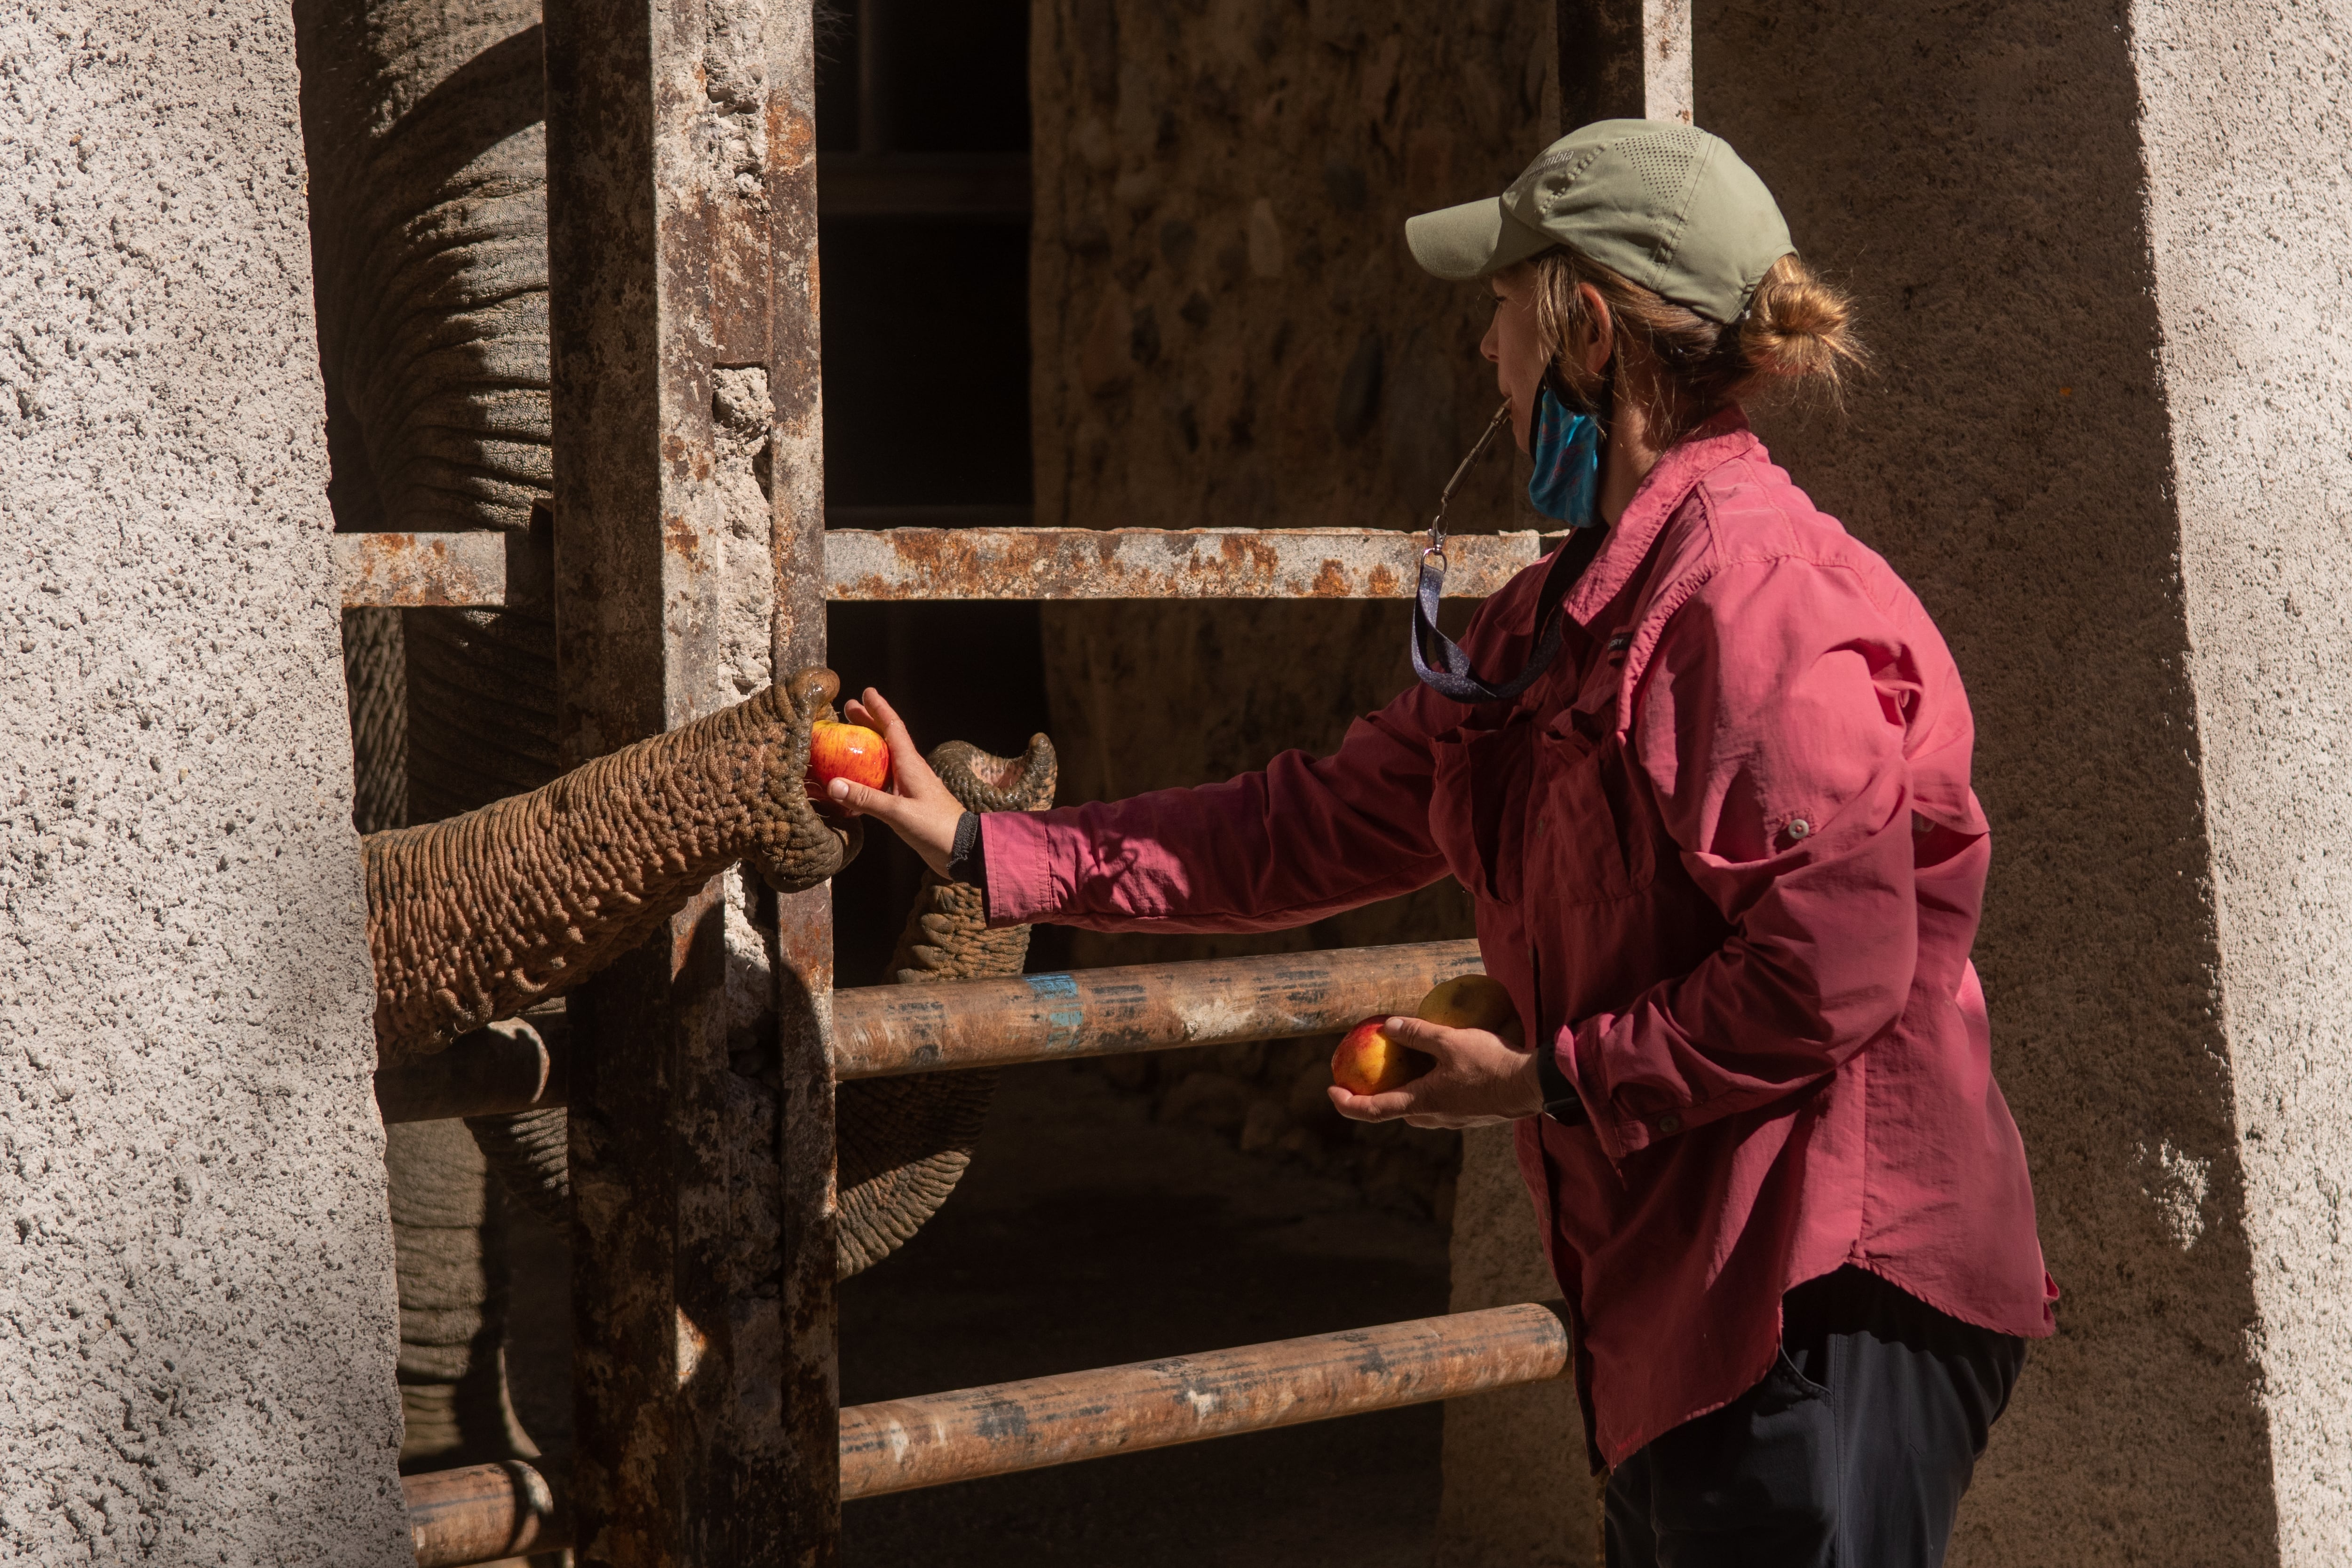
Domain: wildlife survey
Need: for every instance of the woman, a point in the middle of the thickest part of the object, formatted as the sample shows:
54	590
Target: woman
1706	772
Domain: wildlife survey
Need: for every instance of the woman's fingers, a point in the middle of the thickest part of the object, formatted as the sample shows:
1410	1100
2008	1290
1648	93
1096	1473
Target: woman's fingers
927	822
863	800
1356	1107
913	775
1478	1079
1431	1039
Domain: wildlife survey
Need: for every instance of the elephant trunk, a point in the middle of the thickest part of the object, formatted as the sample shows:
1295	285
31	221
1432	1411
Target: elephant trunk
473	919
904	1143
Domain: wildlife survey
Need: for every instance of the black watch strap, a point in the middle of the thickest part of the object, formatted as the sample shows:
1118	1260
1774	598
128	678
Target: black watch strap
1562	1102
966	863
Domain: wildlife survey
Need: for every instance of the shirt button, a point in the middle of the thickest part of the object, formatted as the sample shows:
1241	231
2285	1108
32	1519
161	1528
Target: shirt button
1798	827
1669	1125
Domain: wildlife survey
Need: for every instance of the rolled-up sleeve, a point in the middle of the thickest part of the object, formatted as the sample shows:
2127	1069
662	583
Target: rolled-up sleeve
1305	837
1769	722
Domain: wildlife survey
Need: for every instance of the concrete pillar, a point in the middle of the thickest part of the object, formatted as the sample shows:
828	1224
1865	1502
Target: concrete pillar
196	1266
2243	125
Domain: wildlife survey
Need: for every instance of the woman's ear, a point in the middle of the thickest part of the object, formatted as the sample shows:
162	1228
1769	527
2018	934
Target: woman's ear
1597	321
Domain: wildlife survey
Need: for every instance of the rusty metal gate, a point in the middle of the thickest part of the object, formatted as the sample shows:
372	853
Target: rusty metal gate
682	231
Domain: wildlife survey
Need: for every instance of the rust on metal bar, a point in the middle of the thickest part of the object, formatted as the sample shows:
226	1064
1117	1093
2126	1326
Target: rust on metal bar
489	1072
1162	563
483	1513
901	1443
881	1030
408	571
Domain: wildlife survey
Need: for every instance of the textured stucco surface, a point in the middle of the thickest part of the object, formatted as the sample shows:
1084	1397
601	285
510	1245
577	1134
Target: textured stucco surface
1975	174
2246	122
197	1321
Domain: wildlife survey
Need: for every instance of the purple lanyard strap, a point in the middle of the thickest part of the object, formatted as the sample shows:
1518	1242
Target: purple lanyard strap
1457	680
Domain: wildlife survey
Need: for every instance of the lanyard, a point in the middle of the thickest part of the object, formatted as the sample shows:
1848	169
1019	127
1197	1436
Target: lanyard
1457	680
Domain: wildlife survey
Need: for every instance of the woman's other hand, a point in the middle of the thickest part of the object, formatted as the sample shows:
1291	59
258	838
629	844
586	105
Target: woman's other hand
916	806
1480	1080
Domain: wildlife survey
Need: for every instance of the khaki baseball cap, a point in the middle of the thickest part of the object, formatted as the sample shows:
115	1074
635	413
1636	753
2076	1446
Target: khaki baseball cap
1665	205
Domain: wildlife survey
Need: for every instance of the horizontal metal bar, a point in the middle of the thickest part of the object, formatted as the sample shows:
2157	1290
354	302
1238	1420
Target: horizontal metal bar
881	1030
482	568
489	1072
923	184
483	1513
901	1443
487	569
1162	564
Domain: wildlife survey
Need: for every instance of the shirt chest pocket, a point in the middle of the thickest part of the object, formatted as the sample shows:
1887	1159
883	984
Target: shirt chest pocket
1591	834
1480	779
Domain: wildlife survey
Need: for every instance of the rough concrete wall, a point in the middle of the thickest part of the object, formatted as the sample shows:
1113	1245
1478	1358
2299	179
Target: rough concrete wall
1975	174
1515	1489
197	1327
2245	124
1228	331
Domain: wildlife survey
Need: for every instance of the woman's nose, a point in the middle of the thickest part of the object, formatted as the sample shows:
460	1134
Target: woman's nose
1487	344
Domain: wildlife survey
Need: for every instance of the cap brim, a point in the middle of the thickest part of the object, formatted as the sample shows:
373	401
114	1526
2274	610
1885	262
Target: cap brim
1472	240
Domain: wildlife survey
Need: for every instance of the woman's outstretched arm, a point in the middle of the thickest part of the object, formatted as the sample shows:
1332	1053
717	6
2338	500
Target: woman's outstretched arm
1305	837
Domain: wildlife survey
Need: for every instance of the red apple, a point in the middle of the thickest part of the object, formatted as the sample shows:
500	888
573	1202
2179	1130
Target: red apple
851	752
1368	1062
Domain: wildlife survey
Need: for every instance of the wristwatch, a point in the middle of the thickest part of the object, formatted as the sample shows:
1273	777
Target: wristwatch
1561	1101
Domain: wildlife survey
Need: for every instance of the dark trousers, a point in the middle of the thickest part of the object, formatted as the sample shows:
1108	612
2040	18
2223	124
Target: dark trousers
1853	1453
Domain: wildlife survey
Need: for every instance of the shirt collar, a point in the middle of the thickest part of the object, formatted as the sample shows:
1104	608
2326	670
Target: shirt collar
1718	440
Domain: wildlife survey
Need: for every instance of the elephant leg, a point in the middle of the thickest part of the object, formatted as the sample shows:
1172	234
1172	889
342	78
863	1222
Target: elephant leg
448	1232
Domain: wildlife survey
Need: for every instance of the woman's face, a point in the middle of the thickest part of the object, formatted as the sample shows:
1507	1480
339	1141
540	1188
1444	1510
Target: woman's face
1516	350
1512	347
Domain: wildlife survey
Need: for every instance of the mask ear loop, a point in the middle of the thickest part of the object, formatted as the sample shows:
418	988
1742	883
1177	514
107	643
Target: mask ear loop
1457	680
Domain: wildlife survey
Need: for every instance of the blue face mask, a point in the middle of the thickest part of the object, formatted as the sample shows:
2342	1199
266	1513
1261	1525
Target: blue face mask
1566	485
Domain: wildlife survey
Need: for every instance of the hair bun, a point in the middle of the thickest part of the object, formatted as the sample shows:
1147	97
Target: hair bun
1798	326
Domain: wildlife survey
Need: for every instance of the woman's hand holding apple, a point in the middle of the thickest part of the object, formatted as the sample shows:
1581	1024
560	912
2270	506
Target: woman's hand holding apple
916	806
1478	1074
1480	1080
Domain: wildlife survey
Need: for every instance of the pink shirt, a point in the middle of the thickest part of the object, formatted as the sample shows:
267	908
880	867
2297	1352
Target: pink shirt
1725	856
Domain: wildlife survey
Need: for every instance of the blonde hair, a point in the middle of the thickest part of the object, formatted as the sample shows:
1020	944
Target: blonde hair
1796	337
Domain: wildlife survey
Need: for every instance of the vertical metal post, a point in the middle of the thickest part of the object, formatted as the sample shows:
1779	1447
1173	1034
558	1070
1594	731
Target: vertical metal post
1623	59
681	153
811	1384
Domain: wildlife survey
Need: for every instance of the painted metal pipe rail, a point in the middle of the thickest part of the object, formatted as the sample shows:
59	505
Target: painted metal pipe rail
911	564
882	1030
900	1443
1160	564
489	1072
483	1513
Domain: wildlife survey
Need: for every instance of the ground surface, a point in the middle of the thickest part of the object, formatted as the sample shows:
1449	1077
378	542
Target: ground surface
1087	1236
